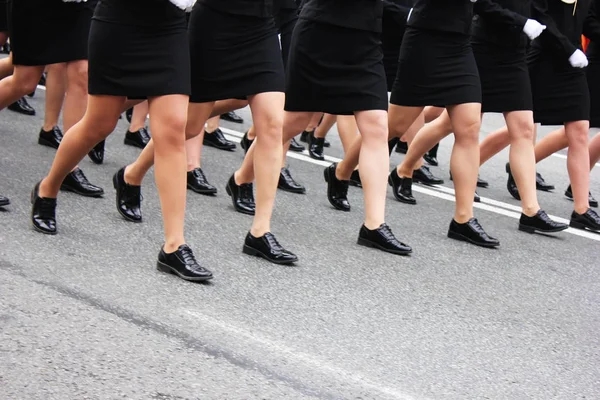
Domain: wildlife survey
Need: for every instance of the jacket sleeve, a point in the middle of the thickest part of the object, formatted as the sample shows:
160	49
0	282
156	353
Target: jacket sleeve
492	12
551	38
591	25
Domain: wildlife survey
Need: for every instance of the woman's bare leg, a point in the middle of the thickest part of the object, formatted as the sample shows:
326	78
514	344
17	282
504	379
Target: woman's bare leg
56	87
578	163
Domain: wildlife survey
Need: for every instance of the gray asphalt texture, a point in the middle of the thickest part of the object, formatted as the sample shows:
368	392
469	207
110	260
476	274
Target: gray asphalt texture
85	314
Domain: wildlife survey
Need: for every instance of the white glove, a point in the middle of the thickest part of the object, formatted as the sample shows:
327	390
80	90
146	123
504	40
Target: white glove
578	59
533	29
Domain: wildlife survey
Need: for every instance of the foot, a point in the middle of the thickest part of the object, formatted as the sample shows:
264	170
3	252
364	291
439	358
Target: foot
183	263
541	184
315	147
197	182
129	198
288	184
43	213
471	232
246	143
569	195
423	175
268	248
4	201
232	117
139	138
355	179
477	198
511	185
77	182
431	160
540	222
402	188
402	147
480	182
295	146
337	190
383	239
22	107
217	140
587	221
51	138
97	153
242	196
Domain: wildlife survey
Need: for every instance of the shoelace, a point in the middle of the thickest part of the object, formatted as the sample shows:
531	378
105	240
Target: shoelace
199	174
145	135
79	176
386	232
286	174
246	192
425	170
47	207
132	195
477	227
273	243
189	259
57	133
219	135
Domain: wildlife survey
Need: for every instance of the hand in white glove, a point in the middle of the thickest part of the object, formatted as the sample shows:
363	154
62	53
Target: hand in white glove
533	29
578	59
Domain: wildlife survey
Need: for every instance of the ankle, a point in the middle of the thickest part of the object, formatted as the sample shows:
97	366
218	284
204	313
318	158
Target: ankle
46	191
48	127
462	218
581	209
171	246
260	231
404	172
135	128
531	210
373	224
341	173
130	177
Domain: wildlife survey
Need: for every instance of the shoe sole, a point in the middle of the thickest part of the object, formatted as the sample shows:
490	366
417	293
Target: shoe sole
228	148
202	192
316	158
133	144
4	203
292	190
66	188
47	143
531	229
427	183
548	189
400	199
253	252
373	245
162	267
326	175
126	217
228	191
459	237
298	150
578	225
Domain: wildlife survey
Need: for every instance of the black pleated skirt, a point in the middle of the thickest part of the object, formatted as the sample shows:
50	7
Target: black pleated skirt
560	92
46	32
335	70
505	83
233	56
138	61
436	69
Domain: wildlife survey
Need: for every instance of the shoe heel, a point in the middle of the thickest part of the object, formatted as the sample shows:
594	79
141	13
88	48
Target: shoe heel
577	225
162	267
228	190
456	236
326	176
115	181
364	242
250	251
525	228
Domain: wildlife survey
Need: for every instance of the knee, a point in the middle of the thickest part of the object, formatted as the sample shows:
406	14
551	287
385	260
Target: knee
578	136
468	131
170	131
524	130
270	128
376	132
27	85
78	76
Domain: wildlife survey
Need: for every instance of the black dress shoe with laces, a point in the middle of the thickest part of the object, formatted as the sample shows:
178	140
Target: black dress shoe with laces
480	182
77	182
477	198
268	248
402	188
471	232
591	200
541	184
511	185
326	143
129	114
423	175
355	179
197	182
129	198
288	184
21	106
315	147
183	263
242	196
43	212
51	138
304	136
383	239
97	153
217	140
337	190
139	138
540	222
587	221
392	143
4	201
232	117
431	156
246	143
402	147
296	147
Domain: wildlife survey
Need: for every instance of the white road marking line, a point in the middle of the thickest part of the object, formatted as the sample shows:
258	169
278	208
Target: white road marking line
441	192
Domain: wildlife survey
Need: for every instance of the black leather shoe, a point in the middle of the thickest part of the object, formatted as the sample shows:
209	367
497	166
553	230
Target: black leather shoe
541	184
43	213
423	175
569	195
232	117
4	201
326	143
480	182
51	138
242	196
402	147
295	146
182	263
402	188
42	81
268	248
6	48
138	138
471	232
304	136
383	239
22	107
315	147
587	221
355	179
392	143
197	182
246	143
129	114
217	140
540	222
129	198
97	153
77	182
511	185
288	184
431	156
477	198
337	190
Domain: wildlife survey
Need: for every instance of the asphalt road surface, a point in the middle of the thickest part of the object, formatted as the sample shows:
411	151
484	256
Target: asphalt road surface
86	315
